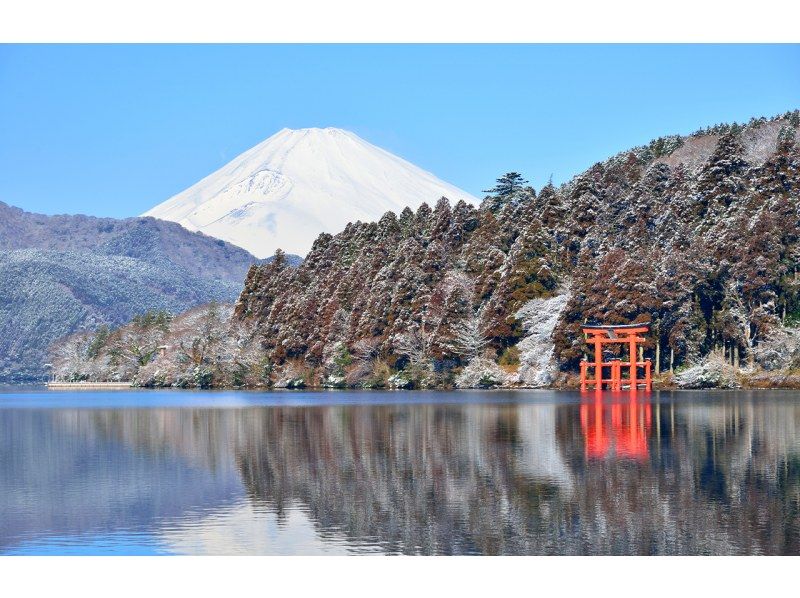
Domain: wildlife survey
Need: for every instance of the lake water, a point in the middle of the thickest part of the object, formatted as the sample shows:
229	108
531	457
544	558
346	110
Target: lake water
514	473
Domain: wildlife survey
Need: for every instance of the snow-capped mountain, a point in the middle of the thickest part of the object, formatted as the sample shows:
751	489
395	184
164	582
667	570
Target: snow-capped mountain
285	191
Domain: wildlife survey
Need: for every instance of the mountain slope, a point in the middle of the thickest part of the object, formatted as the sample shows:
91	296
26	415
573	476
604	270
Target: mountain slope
59	274
699	235
298	183
133	237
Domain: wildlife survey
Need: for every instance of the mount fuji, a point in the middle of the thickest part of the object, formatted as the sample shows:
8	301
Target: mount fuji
285	191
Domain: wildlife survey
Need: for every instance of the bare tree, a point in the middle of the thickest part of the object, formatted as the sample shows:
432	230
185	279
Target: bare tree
366	349
139	346
470	338
200	336
416	345
364	354
140	340
69	356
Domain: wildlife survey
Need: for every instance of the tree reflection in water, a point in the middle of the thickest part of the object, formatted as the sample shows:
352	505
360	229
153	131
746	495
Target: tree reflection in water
614	475
527	480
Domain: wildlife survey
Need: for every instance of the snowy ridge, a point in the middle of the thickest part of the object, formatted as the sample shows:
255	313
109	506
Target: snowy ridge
285	191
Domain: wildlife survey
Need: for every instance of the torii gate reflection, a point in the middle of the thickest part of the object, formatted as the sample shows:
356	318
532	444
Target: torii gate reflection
618	425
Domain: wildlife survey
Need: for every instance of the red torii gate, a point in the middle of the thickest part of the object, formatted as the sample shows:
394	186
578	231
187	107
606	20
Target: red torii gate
624	334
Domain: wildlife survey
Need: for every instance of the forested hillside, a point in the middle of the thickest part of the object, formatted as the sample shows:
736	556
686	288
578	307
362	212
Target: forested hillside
61	274
697	235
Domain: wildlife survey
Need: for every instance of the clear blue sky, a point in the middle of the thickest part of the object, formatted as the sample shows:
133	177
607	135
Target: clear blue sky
114	130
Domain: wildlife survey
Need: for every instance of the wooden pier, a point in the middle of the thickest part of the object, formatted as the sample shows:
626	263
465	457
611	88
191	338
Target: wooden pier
88	385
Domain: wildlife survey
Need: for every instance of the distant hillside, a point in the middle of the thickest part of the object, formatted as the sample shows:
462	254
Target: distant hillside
60	274
142	238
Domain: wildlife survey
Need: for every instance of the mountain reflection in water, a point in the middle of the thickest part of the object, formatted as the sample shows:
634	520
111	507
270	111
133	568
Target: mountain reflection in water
687	473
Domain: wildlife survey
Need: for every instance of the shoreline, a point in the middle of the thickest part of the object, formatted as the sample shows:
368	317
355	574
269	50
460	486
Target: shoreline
787	383
761	380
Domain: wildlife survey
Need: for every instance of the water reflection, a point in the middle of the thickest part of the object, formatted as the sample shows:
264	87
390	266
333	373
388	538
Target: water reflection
684	474
621	429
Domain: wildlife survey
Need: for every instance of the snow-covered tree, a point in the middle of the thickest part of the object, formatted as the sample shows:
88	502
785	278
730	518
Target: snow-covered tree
470	338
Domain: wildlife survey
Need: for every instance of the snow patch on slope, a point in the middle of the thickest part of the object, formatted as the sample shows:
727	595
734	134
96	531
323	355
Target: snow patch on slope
761	142
288	189
694	152
537	351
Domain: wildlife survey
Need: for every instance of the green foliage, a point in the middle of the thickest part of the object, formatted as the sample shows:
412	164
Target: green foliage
488	381
154	318
182	382
265	369
532	275
144	356
509	356
296	383
379	377
203	377
341	359
279	259
787	133
98	341
507	184
158	381
793	319
239	376
114	356
663	146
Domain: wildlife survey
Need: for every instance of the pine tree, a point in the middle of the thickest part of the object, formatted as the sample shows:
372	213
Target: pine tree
509	183
279	259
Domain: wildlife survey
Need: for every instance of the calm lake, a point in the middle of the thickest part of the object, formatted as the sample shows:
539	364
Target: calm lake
515	473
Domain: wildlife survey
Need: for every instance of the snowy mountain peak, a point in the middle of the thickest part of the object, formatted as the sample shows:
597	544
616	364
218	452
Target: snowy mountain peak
298	183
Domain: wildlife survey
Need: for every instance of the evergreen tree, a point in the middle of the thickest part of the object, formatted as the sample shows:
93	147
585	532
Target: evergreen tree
99	341
279	260
509	183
